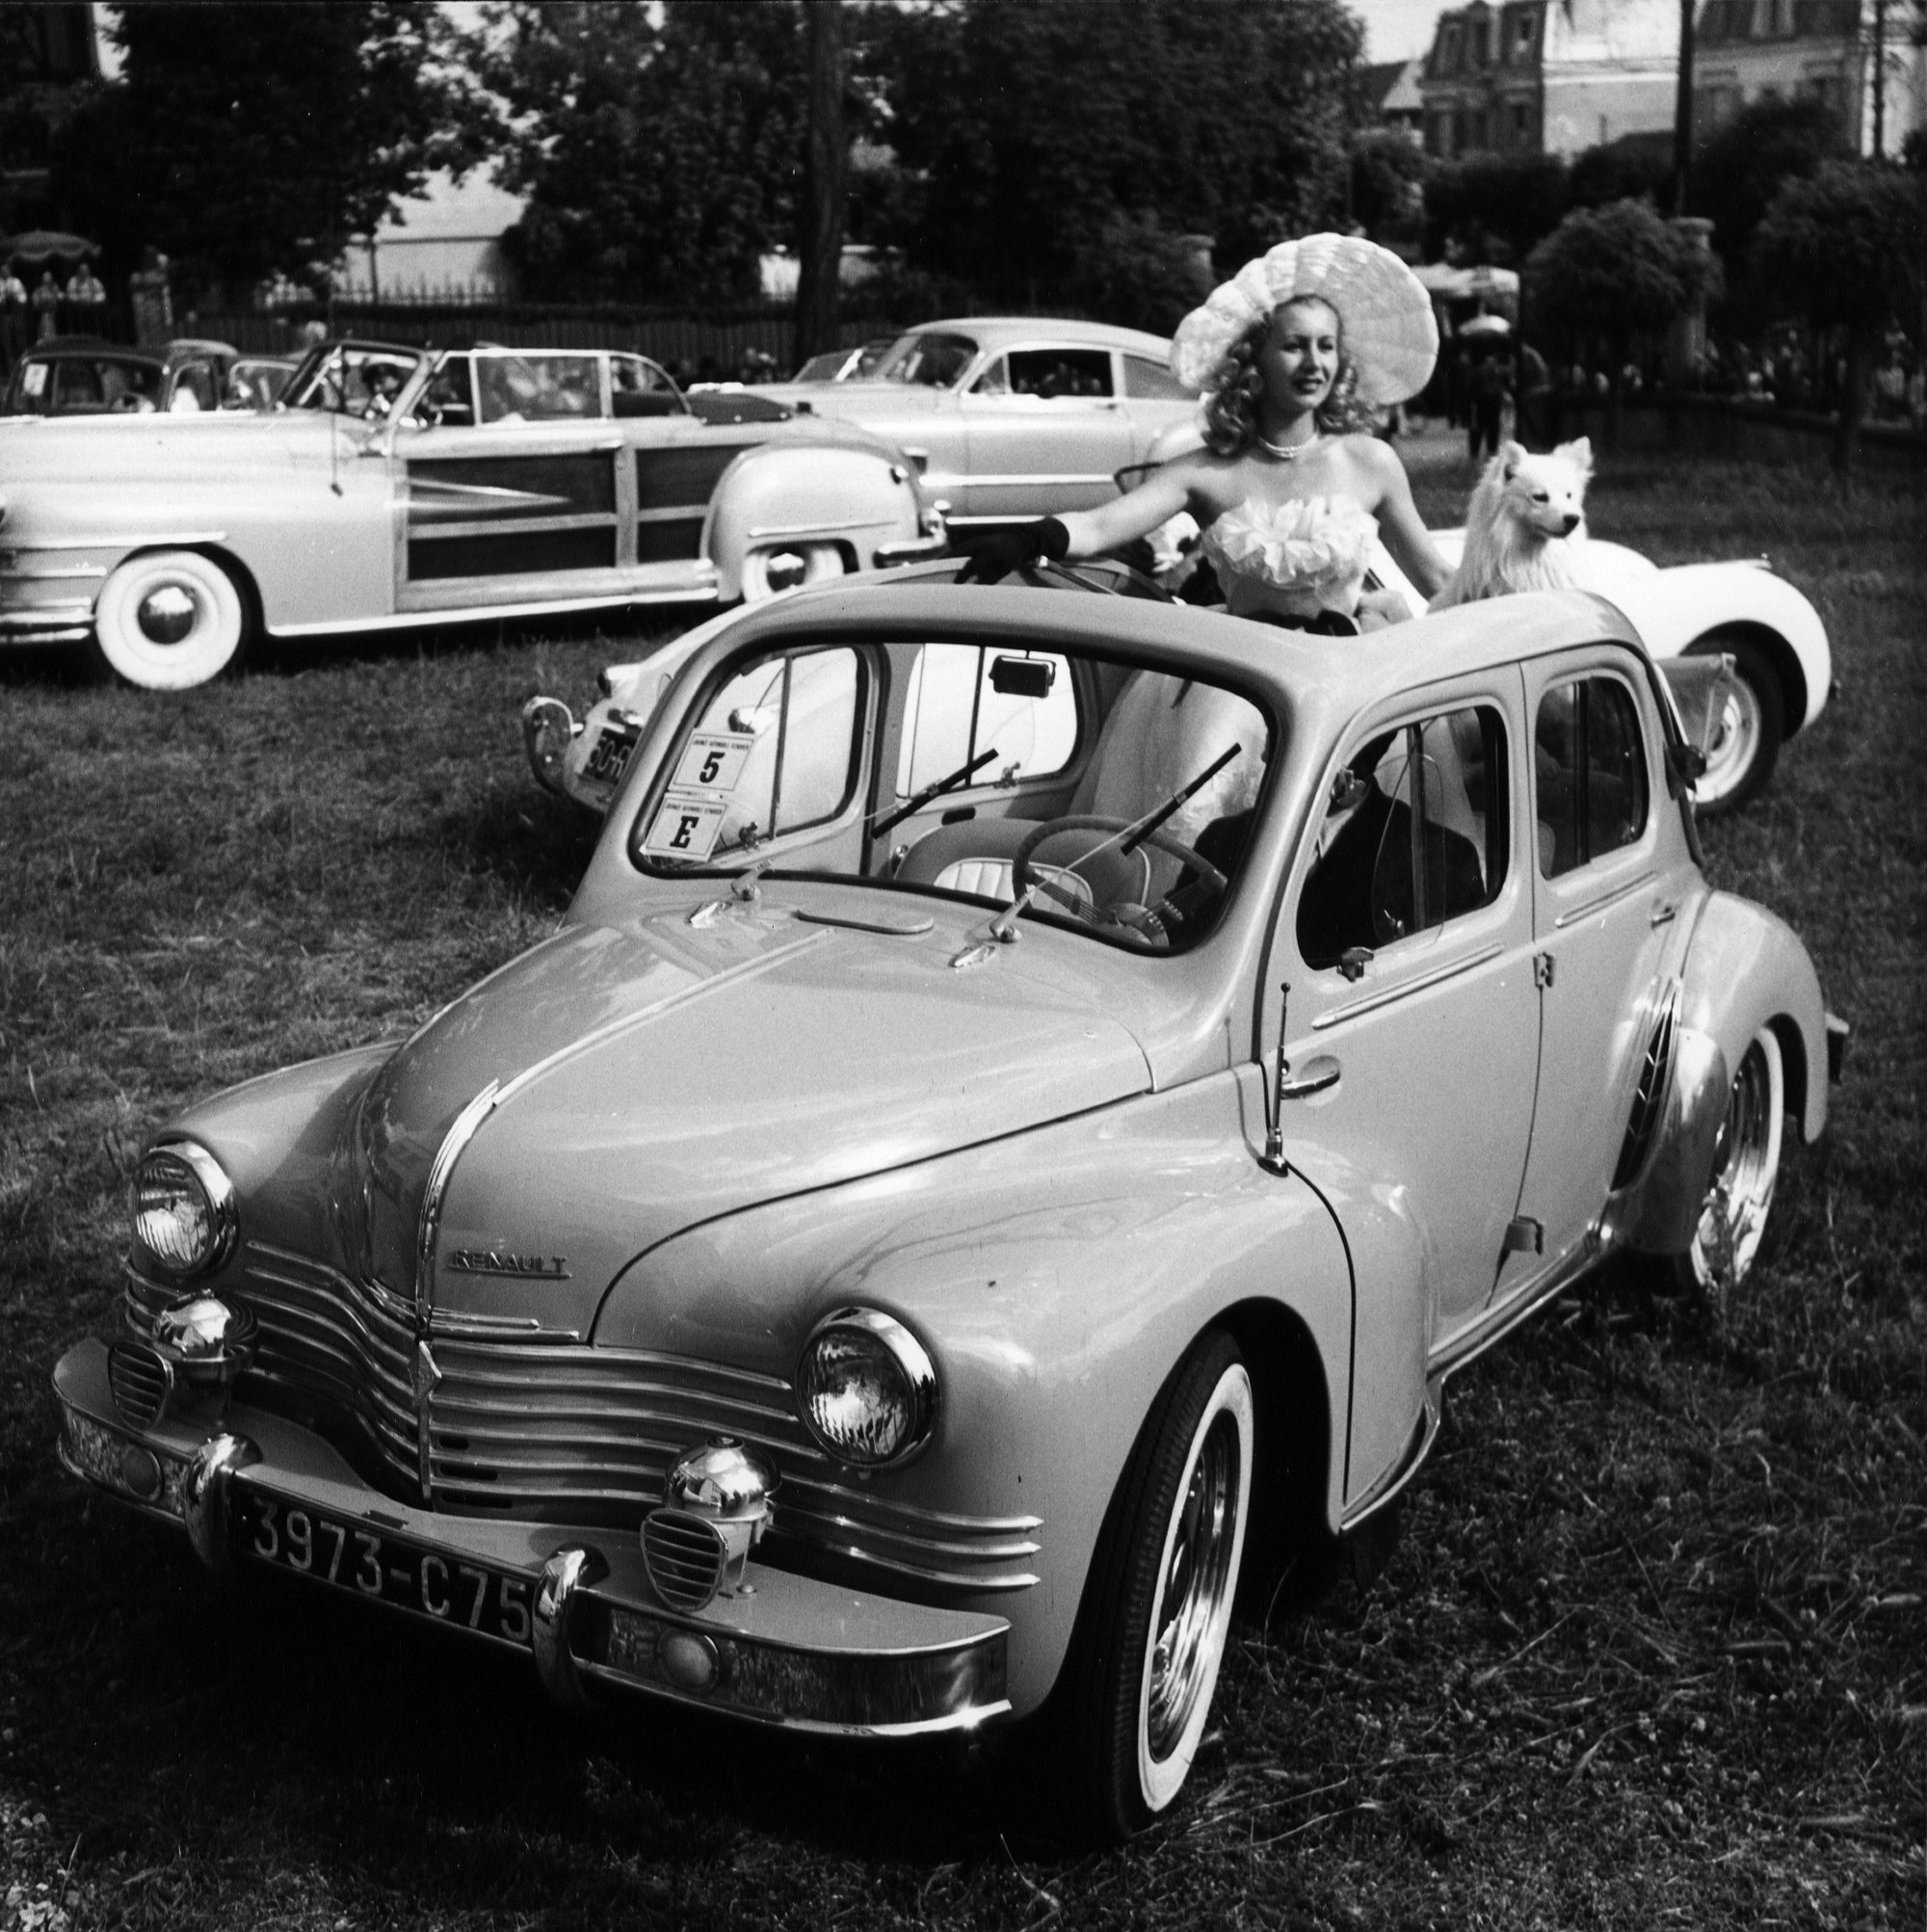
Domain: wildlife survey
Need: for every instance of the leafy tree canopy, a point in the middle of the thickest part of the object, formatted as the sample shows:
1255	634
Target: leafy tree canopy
1847	246
1620	269
242	137
661	149
1493	207
1739	169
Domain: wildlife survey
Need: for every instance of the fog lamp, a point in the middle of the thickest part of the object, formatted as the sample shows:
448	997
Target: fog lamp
183	1208
866	1389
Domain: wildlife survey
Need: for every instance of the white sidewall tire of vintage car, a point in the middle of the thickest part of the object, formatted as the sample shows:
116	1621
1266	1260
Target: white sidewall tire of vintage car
1160	1598
821	561
202	600
1745	1166
1747	739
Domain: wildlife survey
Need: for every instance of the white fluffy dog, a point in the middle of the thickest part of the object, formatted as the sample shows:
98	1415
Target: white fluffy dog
1525	526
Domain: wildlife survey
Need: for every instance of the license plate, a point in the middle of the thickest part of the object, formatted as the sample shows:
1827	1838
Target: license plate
609	757
383	1568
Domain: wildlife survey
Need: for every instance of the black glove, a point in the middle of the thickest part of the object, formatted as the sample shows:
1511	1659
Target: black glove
1007	550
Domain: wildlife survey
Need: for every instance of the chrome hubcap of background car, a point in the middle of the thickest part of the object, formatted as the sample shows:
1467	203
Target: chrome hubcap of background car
167	616
1735	745
1193	1591
1735	1214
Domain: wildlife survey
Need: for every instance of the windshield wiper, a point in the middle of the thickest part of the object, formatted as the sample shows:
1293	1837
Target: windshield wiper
1128	838
948	783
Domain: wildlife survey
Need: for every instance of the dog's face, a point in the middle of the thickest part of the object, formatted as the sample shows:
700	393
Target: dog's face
1545	494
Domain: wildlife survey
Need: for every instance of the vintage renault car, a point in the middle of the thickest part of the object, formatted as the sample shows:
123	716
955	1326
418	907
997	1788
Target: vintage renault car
1035	1092
400	487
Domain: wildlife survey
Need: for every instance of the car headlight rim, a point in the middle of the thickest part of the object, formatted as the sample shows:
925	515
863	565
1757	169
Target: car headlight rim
193	1233
865	1335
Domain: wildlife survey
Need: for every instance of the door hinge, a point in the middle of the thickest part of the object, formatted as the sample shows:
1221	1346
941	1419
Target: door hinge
1541	968
1523	1235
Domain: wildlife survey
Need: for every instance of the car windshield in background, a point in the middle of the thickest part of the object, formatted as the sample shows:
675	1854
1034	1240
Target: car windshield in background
84	386
1117	803
927	360
347	379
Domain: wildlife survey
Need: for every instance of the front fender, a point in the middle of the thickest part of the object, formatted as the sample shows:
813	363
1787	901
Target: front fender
1674	609
778	495
1056	1279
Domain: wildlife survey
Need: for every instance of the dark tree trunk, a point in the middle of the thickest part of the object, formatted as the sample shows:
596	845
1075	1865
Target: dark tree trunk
1853	398
824	156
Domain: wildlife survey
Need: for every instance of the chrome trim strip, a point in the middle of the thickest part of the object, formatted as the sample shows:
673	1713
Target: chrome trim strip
121	540
1507	1316
687	512
428	1226
1602	900
1418	983
979	481
807	529
430	533
701	589
15	576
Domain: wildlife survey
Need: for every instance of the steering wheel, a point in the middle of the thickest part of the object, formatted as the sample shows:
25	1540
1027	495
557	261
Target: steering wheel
1150	926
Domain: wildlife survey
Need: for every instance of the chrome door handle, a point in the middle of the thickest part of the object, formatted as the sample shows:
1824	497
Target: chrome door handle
1664	912
1318	1077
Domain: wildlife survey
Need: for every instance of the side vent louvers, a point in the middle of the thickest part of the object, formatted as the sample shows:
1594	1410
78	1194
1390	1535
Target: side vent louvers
140	1381
684	1557
1649	1097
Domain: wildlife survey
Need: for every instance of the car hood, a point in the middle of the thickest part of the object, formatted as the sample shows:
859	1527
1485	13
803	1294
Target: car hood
619	1085
174	447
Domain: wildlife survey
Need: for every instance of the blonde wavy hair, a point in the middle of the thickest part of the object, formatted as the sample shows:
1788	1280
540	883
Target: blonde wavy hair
1236	390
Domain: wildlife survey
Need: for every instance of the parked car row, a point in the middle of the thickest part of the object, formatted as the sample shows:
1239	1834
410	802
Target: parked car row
1248	1040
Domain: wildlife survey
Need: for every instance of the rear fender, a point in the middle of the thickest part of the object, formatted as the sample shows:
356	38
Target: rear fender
778	496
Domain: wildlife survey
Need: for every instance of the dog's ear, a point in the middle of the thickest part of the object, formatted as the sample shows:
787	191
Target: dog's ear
1511	456
1579	454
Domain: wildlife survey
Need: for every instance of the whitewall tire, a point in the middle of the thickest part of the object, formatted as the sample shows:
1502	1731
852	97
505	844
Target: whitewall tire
1745	1166
767	573
169	621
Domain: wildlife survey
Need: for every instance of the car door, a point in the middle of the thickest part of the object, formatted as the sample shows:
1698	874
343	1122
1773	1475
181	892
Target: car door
1045	431
1412	1027
1602	909
511	485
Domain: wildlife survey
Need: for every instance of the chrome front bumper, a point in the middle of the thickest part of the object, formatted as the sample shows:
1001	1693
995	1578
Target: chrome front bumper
794	1651
67	623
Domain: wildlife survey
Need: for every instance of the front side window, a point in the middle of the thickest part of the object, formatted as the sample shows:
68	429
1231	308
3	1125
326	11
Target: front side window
449	399
929	359
639	388
1417	837
1052	373
347	379
1590	773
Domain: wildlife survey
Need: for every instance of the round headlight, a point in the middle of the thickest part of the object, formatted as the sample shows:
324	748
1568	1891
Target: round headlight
184	1217
866	1389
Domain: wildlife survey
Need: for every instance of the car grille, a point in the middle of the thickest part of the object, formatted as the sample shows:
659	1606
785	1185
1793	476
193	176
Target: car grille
684	1557
554	1432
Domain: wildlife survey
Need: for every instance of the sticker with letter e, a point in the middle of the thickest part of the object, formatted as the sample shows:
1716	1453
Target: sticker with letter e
685	827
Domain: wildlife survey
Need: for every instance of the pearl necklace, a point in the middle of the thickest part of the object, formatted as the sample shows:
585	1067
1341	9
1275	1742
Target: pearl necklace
1285	452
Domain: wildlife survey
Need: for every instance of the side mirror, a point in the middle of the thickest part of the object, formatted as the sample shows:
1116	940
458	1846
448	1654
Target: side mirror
1348	790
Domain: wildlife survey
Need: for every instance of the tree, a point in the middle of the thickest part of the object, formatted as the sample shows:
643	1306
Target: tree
1740	169
1035	127
660	150
241	139
1847	249
1619	271
1493	207
826	155
1387	181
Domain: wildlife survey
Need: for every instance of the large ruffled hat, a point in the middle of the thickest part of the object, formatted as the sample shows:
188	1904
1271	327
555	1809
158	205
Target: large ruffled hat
1390	337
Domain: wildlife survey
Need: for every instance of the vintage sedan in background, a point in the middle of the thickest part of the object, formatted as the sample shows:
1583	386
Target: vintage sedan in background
77	376
403	486
1032	1099
1011	416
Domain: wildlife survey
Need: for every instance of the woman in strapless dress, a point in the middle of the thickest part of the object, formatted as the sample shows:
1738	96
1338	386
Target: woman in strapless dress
1291	489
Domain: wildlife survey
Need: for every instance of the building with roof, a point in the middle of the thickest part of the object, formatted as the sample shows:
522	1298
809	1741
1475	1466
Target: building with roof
1391	90
1825	50
445	243
1548	77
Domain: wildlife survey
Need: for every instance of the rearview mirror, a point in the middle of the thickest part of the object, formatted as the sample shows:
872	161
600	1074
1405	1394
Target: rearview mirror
1348	789
1022	677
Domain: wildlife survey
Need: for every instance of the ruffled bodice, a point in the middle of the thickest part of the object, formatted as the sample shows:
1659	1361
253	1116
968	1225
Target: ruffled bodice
1298	557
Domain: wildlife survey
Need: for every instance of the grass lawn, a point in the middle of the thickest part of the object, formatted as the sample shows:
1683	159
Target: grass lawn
1654	1648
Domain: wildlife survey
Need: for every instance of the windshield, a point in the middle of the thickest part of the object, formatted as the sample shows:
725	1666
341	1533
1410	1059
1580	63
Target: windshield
353	379
929	359
1112	802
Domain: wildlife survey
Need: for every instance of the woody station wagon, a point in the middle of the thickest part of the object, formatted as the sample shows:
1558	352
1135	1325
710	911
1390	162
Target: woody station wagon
1034	1095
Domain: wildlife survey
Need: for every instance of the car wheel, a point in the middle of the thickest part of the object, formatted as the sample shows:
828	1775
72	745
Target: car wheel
765	572
169	621
1746	1165
1164	1582
1748	733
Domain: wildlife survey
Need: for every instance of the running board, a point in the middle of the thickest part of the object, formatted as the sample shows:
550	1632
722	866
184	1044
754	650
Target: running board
1424	1433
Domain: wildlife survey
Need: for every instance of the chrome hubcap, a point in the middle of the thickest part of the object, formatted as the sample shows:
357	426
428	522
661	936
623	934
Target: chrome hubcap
1735	742
1193	1590
167	616
1735	1214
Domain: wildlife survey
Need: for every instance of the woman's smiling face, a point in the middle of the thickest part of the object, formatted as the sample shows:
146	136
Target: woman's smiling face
1299	357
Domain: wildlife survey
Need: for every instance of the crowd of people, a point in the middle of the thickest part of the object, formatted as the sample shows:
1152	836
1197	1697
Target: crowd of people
51	306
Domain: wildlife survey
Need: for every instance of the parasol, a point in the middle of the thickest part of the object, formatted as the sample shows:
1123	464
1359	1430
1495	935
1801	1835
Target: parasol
1484	325
39	245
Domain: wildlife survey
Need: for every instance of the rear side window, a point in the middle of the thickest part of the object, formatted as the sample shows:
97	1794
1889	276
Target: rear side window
1415	837
1153	382
1589	773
